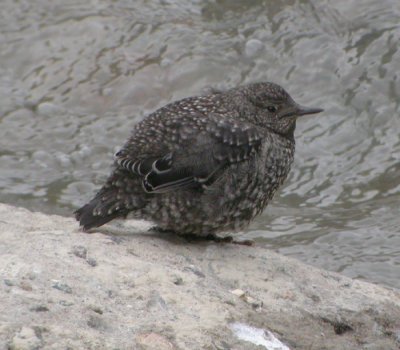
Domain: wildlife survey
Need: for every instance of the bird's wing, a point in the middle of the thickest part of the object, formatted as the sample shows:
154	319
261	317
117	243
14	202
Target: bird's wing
198	161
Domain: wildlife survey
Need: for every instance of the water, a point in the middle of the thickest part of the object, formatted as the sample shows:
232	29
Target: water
76	76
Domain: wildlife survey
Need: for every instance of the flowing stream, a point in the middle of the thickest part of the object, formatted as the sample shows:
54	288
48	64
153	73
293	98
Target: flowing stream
75	76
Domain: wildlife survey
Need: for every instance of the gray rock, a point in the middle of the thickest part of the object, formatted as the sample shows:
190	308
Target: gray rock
96	309
178	280
39	308
154	341
156	312
96	322
63	287
91	262
49	109
79	251
8	282
25	339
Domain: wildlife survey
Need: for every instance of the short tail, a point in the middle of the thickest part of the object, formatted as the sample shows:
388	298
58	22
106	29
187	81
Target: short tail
89	216
119	196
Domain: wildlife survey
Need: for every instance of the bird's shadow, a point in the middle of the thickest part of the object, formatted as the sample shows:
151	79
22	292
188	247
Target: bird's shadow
119	231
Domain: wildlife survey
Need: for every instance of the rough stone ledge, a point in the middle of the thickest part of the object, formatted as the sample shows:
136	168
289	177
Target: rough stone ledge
64	289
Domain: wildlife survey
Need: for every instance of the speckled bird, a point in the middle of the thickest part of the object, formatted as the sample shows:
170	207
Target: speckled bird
204	164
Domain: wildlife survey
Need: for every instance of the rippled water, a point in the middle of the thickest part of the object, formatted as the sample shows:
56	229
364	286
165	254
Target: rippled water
75	77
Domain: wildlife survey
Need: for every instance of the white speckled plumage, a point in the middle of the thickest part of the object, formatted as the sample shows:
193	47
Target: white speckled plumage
202	164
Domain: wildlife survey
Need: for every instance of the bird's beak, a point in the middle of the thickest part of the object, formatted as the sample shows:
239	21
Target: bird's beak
302	110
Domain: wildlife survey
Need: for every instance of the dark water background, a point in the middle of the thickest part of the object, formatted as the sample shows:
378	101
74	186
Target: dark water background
76	76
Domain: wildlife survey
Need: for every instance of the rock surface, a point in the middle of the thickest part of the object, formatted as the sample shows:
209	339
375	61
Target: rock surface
126	288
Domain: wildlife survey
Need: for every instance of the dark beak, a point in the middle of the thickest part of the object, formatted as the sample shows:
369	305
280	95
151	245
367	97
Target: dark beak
301	110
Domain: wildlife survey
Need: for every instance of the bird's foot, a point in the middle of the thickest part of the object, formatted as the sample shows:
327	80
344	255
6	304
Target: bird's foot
158	229
216	239
229	239
248	242
210	237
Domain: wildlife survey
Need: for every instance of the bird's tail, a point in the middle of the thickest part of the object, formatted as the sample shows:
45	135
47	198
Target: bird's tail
89	215
115	199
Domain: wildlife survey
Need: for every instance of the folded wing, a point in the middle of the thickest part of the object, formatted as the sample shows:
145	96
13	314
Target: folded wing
198	162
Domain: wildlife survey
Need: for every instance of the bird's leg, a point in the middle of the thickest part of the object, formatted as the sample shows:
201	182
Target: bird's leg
248	242
228	239
158	229
210	237
215	238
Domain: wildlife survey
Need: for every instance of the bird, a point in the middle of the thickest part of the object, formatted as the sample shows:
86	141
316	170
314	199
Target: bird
202	165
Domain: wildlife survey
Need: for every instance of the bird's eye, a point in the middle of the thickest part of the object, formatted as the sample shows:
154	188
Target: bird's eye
272	109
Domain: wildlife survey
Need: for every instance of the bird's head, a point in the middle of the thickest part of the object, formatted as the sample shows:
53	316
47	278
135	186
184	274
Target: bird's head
270	106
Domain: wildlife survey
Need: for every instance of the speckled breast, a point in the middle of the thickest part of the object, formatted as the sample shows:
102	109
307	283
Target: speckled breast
258	181
233	200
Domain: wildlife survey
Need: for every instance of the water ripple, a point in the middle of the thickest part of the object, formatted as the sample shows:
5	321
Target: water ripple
76	76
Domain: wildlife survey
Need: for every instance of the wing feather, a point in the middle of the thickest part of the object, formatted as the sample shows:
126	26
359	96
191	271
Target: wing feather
200	162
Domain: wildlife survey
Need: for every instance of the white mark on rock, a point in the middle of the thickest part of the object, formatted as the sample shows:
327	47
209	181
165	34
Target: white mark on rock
257	336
